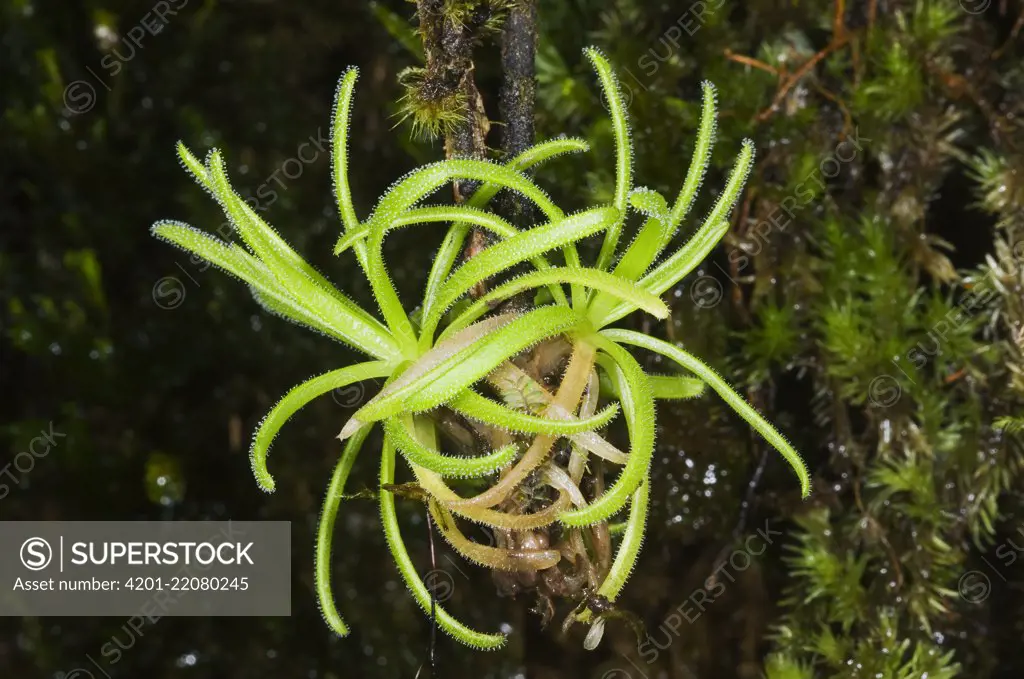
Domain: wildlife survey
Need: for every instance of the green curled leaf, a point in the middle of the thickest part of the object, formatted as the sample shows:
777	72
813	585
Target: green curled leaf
393	535
638	406
339	147
450	248
699	163
194	167
483	409
454	372
686	259
663	387
423	181
649	202
629	548
511	251
735	401
446	465
613	285
296	398
437	213
314	292
675	387
325	531
623	151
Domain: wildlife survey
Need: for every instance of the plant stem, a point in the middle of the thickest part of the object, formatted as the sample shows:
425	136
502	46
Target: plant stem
448	48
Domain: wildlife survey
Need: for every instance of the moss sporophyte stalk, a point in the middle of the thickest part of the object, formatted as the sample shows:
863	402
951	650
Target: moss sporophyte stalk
486	366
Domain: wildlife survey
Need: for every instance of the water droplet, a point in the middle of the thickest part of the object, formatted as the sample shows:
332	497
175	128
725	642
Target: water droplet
165	483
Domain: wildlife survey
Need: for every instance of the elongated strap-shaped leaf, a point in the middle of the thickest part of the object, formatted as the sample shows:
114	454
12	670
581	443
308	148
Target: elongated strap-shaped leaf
386	296
644	249
446	465
438	213
392	532
236	261
317	294
443	351
482	409
686	259
384	291
452	245
494	558
194	167
678	268
280	303
443	382
699	163
296	398
623	151
735	401
675	387
629	548
483	357
638	406
423	181
325	531
521	247
339	147
268	237
227	256
266	243
664	387
615	286
632	531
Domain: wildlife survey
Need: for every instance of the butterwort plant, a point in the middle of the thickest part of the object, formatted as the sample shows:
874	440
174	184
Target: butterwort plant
538	481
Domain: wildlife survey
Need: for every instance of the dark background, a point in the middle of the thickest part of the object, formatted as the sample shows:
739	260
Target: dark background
157	369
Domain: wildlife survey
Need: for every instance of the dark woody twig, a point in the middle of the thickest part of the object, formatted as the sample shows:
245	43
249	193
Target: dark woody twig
448	49
518	97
